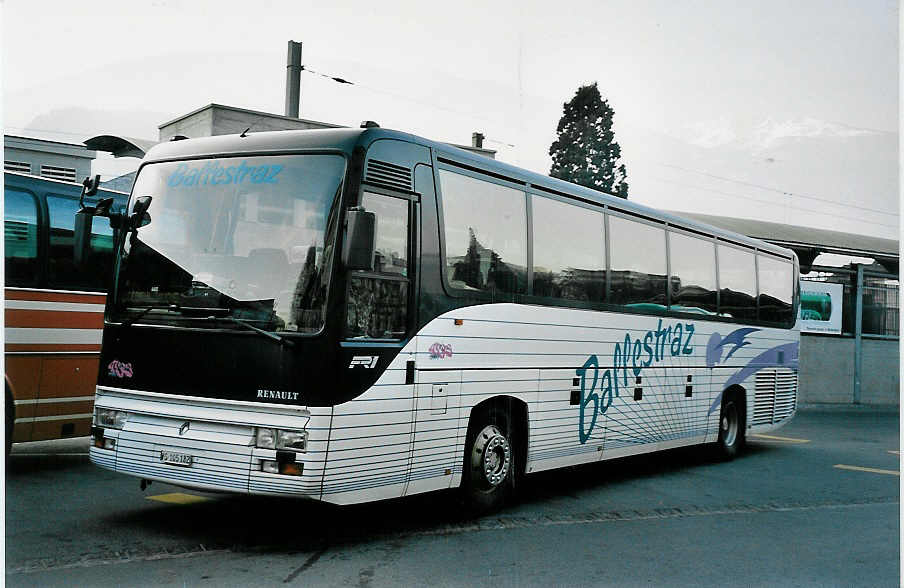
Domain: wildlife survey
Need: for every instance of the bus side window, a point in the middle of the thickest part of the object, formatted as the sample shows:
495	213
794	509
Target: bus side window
485	232
776	289
737	283
62	271
693	273
572	268
378	300
20	230
637	264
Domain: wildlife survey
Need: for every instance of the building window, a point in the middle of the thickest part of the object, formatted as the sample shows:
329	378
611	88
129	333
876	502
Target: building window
17	166
67	174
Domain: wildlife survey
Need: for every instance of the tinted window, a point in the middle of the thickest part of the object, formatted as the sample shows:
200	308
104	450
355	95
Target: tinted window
391	254
693	273
378	304
638	264
20	231
63	273
485	233
737	283
776	289
572	268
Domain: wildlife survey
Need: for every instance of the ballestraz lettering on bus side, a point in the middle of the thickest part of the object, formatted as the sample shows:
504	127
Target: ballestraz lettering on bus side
654	346
211	173
277	395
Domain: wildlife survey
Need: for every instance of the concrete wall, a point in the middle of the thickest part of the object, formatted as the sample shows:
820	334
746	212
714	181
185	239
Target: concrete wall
827	370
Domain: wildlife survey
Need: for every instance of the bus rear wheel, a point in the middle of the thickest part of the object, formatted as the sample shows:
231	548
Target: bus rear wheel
731	426
488	476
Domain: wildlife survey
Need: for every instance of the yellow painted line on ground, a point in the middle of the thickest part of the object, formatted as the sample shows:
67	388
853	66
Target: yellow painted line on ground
178	498
775	438
841	466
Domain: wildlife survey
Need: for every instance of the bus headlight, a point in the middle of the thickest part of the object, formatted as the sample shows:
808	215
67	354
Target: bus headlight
110	419
297	440
266	438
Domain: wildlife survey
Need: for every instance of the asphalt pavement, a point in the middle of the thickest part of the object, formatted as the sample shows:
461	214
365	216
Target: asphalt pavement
815	503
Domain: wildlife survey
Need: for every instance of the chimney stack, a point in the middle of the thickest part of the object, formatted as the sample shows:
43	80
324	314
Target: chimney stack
477	140
293	79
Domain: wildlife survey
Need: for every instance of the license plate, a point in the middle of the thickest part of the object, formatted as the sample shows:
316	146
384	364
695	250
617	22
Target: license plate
174	458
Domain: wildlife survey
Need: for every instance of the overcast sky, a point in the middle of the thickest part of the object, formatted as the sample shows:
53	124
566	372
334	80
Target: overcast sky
783	111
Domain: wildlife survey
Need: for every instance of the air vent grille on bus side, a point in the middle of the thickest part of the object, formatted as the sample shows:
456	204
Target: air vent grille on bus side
388	174
775	396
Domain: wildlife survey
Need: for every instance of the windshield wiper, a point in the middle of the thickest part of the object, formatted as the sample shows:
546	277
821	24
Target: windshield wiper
268	334
169	307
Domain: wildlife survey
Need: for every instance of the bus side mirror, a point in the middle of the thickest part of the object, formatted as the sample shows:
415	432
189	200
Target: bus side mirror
82	238
140	216
360	239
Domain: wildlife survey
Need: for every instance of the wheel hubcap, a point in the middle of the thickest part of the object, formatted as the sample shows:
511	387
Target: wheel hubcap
729	424
491	457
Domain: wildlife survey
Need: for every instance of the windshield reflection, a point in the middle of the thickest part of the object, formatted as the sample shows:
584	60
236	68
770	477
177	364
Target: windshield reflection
246	238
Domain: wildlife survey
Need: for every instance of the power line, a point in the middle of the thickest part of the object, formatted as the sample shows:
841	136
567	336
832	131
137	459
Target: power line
394	95
776	190
773	203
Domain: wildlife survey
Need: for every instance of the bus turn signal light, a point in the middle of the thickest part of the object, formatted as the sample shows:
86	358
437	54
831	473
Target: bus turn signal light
284	468
104	443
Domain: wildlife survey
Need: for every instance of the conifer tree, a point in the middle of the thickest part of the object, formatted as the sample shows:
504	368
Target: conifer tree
585	151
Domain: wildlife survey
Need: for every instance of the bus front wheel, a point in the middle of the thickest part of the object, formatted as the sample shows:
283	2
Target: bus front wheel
489	467
731	426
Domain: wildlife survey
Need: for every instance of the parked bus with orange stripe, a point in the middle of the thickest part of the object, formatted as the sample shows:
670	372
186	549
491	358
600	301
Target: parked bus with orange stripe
53	310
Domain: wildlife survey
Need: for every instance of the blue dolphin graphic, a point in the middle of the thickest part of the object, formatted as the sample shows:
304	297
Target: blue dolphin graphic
716	344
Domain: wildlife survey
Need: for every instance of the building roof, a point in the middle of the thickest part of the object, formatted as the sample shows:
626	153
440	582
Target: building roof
796	237
248	111
47	146
120	146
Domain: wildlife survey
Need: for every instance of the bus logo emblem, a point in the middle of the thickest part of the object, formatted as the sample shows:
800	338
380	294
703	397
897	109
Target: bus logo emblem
365	361
119	369
184	428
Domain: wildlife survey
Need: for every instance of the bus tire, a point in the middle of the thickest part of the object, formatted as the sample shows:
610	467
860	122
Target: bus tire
489	461
731	425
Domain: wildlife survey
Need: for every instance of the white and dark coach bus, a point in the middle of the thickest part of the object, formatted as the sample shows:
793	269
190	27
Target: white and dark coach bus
358	314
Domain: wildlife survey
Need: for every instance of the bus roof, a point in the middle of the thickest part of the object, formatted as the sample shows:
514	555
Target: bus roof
346	139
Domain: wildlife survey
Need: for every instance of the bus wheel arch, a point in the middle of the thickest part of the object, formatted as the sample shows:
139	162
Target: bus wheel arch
732	422
495	452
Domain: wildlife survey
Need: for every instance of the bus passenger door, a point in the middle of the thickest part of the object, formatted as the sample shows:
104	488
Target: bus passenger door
436	458
370	436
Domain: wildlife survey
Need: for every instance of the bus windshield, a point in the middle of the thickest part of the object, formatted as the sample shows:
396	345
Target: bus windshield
246	238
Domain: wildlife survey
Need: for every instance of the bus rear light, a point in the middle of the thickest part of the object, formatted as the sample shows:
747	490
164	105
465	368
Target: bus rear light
283	468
